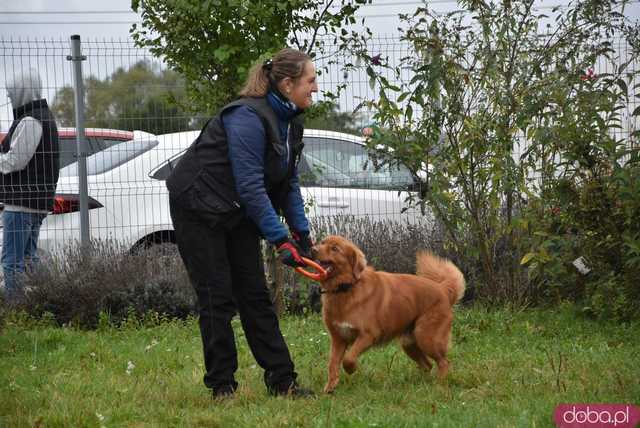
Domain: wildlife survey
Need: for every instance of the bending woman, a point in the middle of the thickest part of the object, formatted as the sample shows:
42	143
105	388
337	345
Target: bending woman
227	193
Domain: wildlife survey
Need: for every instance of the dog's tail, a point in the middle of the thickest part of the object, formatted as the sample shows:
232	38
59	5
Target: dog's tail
442	271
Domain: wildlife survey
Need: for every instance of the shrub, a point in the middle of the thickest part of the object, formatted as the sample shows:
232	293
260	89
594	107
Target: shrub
105	284
597	220
486	104
388	245
79	284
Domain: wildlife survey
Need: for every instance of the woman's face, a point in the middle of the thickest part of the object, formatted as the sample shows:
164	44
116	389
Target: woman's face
299	90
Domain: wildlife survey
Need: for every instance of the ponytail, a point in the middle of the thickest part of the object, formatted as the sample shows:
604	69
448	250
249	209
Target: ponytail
257	83
286	63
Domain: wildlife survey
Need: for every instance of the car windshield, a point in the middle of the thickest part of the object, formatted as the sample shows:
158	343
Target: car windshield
342	163
164	169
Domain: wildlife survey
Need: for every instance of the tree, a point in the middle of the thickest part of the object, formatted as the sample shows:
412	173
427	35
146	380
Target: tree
331	119
214	43
485	109
137	98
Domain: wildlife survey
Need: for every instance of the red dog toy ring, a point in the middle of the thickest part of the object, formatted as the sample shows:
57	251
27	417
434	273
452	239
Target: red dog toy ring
319	274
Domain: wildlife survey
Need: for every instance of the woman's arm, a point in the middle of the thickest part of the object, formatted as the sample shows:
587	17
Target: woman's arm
247	141
294	207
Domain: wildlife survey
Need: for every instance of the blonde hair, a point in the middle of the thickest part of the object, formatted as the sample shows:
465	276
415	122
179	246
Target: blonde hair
286	63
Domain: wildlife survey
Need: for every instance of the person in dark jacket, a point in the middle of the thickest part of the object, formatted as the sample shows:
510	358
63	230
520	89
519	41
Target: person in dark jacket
227	192
29	167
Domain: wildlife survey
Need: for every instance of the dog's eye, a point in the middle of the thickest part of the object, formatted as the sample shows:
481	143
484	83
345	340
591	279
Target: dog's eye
334	248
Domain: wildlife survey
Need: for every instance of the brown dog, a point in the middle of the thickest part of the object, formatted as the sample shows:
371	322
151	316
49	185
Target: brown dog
362	307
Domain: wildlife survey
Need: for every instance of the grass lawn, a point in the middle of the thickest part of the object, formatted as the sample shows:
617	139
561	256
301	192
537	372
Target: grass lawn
507	369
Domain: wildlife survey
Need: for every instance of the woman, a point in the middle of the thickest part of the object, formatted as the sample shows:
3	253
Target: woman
225	194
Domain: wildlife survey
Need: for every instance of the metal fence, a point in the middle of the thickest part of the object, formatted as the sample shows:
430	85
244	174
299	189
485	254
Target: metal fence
134	136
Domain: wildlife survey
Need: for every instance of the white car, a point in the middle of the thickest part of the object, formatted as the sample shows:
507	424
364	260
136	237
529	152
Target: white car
126	204
128	200
339	177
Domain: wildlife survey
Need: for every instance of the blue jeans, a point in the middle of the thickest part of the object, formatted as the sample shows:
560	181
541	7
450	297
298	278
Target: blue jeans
19	246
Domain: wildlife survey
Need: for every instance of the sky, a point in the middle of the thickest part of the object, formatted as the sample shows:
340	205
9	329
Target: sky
381	14
25	20
112	19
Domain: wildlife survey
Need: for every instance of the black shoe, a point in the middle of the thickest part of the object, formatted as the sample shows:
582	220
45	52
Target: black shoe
223	392
291	390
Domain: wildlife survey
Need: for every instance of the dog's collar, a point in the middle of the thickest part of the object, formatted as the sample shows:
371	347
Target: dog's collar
341	288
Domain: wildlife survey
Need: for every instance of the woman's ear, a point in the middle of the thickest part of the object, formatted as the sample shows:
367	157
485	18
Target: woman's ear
358	263
286	86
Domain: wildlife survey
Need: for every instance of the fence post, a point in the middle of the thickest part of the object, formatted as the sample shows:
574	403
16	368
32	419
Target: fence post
81	142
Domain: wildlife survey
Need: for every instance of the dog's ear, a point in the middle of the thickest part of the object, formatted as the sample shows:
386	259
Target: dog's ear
358	263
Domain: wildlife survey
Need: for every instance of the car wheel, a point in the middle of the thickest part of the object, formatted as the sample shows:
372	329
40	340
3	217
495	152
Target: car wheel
160	250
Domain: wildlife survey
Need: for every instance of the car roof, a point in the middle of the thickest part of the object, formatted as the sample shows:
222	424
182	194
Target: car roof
115	134
321	133
179	140
182	140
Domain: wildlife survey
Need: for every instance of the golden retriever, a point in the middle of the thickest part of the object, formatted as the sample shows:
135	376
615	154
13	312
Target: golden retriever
362	307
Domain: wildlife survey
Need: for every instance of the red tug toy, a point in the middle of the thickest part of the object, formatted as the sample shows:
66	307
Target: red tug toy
319	274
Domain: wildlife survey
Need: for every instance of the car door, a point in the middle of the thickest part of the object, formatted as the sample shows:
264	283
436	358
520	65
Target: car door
338	177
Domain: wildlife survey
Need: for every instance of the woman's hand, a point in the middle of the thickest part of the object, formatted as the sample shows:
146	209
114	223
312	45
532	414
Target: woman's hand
289	254
304	243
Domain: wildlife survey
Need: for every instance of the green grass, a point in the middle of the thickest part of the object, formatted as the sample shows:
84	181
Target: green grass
506	371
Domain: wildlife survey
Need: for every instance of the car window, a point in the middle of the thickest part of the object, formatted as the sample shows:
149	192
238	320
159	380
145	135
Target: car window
112	157
163	170
68	147
105	143
341	163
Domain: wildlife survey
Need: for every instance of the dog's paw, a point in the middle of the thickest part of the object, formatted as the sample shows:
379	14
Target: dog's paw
330	387
349	366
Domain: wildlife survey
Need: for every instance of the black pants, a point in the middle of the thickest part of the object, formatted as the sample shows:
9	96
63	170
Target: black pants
225	267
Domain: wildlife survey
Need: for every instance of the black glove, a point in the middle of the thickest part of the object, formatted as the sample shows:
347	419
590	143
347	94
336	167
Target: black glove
289	254
304	242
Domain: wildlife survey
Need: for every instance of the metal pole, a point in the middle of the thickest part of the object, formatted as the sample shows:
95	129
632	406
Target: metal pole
81	142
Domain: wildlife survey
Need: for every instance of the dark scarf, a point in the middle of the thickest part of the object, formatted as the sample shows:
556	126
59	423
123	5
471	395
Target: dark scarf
284	109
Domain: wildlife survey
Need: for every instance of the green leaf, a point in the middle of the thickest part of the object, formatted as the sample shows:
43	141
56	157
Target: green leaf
409	113
403	96
623	86
208	41
527	258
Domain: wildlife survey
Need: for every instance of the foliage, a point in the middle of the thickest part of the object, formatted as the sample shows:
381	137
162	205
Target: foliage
78	285
587	200
214	43
589	205
470	117
81	286
140	98
388	244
